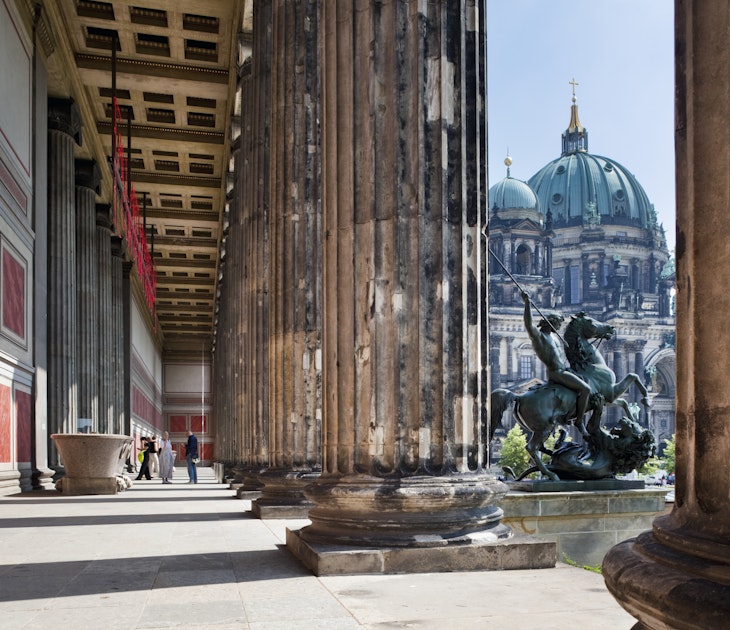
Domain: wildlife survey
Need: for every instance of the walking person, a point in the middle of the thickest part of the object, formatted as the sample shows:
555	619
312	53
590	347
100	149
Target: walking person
154	459
191	455
167	458
144	469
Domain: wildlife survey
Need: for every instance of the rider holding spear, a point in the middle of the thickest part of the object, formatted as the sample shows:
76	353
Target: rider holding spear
549	352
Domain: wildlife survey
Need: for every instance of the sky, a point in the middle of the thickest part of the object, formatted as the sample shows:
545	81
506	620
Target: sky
620	52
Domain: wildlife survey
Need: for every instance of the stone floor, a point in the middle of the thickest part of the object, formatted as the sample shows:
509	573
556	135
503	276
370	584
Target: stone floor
191	556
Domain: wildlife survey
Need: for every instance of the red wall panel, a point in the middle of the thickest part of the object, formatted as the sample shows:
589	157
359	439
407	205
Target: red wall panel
23	418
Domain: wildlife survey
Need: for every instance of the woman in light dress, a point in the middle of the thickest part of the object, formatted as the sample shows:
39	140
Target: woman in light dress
167	458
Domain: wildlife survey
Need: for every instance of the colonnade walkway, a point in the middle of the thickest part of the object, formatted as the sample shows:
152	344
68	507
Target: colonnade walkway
192	556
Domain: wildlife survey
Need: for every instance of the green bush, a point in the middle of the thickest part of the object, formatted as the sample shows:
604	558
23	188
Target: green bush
513	452
515	455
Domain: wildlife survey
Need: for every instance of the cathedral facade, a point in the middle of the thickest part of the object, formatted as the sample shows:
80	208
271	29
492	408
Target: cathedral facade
582	235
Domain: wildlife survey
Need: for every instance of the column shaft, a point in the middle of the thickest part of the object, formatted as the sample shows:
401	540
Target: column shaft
117	346
402	198
64	124
294	324
253	435
105	330
87	287
678	574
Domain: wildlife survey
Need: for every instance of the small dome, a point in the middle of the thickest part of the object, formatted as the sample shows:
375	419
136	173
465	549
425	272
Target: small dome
580	183
510	194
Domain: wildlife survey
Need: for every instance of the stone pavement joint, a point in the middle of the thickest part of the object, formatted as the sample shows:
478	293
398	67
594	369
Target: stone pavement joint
192	556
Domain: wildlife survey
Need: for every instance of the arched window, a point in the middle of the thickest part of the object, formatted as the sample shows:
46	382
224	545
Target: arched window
523	260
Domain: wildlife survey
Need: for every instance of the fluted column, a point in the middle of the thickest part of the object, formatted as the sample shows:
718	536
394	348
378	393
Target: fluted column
105	331
294	312
511	368
118	341
87	287
255	182
494	355
64	129
402	142
638	368
678	574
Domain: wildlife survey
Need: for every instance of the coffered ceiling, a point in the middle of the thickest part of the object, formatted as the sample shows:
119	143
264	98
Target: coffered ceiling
176	74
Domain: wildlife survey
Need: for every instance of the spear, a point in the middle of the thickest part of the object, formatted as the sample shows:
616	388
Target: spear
517	284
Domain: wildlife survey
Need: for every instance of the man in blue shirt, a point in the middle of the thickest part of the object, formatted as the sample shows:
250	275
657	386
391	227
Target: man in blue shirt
191	455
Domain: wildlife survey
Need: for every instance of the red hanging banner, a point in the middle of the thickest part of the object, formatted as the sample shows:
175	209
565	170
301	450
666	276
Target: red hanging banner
127	217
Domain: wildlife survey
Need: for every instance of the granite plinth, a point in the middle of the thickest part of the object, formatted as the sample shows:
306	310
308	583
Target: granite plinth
480	553
283	494
280	510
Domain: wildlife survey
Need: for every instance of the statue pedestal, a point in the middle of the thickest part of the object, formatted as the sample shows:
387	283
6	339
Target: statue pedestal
584	525
92	462
547	485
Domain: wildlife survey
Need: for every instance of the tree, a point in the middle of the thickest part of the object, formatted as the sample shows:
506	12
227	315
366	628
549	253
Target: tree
513	452
668	454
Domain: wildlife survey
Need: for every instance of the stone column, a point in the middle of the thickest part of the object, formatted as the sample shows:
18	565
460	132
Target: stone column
87	287
124	417
64	129
254	227
402	109
638	347
105	330
511	368
495	372
117	341
295	283
678	574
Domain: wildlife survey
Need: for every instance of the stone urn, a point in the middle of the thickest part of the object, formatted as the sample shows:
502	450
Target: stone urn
93	462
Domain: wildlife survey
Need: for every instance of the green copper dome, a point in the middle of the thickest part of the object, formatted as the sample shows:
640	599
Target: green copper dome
579	186
510	194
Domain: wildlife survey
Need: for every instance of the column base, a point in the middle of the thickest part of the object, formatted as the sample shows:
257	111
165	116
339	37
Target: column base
42	479
416	511
9	482
250	495
283	494
473	553
667	586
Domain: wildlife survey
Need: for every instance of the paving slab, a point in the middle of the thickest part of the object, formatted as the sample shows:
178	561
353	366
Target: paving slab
192	556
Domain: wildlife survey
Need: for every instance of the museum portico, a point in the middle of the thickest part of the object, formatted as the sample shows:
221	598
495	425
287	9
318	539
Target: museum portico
292	231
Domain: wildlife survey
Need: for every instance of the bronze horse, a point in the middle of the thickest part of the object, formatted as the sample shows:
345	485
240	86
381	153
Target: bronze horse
542	408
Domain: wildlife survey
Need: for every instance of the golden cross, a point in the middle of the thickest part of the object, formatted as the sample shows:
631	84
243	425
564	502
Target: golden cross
573	82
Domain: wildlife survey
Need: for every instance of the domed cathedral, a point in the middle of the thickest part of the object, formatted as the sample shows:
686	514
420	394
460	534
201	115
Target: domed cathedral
582	235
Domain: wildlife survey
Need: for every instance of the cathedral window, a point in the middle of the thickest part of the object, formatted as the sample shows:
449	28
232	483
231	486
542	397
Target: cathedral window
526	367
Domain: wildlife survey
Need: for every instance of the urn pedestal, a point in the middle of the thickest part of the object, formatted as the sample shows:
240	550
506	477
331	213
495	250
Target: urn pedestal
92	462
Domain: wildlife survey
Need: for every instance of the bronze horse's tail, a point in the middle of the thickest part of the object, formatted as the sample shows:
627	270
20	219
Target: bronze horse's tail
500	401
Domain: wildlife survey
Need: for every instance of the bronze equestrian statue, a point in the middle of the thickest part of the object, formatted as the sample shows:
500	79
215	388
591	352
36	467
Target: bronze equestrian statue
563	400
